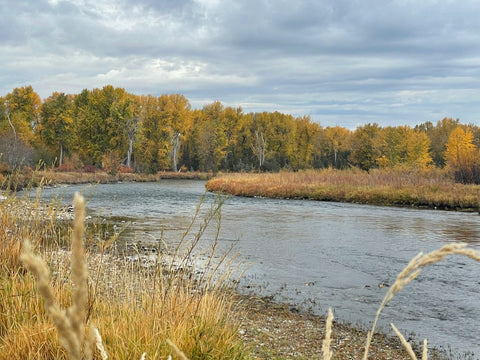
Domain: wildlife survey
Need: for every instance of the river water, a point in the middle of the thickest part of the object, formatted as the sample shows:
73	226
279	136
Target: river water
322	254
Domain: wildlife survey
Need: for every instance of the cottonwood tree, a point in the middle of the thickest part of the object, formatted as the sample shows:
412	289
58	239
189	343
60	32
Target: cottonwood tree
259	148
333	146
180	122
57	123
462	156
153	142
366	146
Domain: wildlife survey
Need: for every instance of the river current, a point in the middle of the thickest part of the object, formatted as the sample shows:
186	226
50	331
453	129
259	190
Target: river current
322	254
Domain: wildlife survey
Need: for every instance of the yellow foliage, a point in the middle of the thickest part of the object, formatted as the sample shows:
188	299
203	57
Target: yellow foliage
461	152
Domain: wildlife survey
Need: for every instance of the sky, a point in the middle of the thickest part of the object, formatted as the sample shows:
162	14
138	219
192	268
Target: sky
341	62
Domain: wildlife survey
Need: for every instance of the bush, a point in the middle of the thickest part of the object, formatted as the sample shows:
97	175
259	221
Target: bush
67	167
122	169
90	169
111	162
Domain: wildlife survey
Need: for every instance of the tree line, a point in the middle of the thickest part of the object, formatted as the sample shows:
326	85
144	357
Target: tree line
112	129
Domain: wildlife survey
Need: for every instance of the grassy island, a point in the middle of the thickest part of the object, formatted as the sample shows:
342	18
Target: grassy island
433	189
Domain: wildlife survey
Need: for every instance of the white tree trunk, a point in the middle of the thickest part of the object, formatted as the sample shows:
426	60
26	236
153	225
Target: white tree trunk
176	142
60	160
130	151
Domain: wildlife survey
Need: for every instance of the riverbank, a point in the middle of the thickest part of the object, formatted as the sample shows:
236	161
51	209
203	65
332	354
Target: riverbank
281	331
432	189
51	177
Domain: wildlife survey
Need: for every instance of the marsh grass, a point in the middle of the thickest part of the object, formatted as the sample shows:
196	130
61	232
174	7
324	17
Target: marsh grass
421	188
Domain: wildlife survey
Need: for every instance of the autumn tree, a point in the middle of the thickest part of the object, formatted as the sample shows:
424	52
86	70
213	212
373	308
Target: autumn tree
57	123
100	123
404	146
153	142
211	141
365	146
438	135
462	156
19	125
179	123
304	134
332	147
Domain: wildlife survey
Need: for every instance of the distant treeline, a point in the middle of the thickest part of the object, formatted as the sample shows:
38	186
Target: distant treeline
112	129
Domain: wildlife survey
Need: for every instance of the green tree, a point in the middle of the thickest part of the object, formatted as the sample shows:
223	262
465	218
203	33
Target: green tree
153	135
57	123
366	146
101	123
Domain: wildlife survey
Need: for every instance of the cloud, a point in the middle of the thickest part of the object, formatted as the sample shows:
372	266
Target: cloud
343	62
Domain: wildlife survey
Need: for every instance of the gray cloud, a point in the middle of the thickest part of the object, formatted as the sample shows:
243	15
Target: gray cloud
342	62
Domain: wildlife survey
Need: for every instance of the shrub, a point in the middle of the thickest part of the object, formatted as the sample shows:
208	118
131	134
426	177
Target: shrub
90	169
122	169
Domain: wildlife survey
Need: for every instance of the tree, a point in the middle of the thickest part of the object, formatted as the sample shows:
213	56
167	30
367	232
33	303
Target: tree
305	133
418	150
57	122
438	136
333	147
212	143
365	146
462	155
153	135
22	110
180	122
101	116
404	146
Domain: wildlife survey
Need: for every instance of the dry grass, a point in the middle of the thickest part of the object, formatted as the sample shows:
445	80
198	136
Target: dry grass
139	311
54	177
422	188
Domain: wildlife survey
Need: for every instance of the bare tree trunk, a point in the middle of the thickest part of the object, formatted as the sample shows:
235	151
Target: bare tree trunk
7	112
176	141
130	151
60	160
131	131
260	148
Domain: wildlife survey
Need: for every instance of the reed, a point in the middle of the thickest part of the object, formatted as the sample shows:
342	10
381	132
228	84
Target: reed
421	188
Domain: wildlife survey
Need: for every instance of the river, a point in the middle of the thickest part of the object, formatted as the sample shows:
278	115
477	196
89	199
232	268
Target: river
322	254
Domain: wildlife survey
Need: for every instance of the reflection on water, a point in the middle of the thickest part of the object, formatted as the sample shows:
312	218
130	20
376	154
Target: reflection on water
322	254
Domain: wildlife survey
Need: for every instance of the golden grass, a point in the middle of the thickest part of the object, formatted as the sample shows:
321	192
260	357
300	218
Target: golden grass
421	188
139	311
54	177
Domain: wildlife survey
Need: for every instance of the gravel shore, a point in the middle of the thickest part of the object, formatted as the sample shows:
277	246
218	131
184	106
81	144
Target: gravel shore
280	331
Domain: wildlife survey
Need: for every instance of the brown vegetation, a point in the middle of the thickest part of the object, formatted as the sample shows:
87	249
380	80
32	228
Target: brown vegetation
19	180
137	309
420	188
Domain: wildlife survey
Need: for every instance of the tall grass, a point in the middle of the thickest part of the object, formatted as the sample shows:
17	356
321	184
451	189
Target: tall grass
422	188
140	311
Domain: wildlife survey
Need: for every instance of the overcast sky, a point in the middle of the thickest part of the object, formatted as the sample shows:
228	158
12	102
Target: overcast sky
343	62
